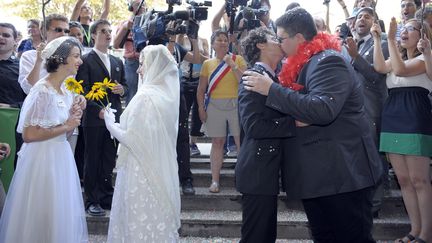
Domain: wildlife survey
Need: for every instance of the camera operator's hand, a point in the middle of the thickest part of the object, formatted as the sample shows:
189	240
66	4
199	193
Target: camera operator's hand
170	29
193	28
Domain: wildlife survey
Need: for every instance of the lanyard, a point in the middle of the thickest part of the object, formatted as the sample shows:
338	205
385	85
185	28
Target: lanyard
87	36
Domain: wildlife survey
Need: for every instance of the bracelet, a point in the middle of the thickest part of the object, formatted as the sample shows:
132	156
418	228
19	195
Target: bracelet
235	68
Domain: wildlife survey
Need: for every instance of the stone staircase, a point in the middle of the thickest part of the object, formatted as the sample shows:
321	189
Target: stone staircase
218	216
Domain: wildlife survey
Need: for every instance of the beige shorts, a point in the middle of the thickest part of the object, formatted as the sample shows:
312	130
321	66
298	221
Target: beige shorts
220	113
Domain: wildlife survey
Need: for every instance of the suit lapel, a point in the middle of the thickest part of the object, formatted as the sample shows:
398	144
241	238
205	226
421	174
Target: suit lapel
115	69
101	64
366	46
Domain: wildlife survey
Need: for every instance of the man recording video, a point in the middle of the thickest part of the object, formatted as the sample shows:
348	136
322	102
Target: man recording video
124	39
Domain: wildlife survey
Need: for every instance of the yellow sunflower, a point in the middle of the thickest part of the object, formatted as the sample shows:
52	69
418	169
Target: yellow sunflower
104	85
74	86
96	94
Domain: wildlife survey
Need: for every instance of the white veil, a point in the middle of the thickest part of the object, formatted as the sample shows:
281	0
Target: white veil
150	122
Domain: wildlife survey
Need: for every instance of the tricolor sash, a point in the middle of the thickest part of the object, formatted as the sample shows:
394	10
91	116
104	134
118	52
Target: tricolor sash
217	75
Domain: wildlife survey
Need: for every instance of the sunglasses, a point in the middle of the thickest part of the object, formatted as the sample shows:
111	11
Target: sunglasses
409	28
60	30
106	31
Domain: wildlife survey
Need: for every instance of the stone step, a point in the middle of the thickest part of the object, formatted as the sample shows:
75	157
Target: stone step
204	162
292	224
230	199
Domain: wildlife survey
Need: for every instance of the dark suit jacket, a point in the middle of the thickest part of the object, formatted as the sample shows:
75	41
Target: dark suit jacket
259	161
336	153
93	70
373	83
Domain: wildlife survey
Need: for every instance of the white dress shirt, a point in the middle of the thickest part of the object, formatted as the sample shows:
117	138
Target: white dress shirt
105	59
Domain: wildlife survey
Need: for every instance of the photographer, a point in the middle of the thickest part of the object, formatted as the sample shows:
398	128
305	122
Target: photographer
131	56
180	54
189	81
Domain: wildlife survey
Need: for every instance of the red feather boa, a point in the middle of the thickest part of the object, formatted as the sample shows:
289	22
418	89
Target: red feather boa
294	64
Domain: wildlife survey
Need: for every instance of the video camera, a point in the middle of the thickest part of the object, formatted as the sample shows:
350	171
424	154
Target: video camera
250	14
151	27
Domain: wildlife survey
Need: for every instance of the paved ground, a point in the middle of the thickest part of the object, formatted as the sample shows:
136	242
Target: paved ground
103	238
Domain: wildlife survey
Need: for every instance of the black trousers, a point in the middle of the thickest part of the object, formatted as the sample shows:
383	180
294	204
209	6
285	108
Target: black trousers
259	218
192	105
99	162
182	146
79	152
345	217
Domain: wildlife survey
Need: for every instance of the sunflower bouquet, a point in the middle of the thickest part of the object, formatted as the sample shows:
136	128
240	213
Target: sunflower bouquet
99	91
74	86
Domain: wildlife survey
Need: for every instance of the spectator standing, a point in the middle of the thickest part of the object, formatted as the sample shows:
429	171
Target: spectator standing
406	133
100	149
130	56
35	37
83	13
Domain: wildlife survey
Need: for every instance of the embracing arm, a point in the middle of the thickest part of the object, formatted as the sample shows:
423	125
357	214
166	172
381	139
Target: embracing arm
255	125
327	89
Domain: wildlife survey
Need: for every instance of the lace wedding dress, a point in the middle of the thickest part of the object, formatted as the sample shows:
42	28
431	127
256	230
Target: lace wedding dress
146	201
44	203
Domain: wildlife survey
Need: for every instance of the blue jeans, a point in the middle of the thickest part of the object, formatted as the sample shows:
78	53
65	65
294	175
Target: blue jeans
131	67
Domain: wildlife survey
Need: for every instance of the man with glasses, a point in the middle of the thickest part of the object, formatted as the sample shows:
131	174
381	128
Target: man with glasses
408	10
360	54
100	150
332	163
32	66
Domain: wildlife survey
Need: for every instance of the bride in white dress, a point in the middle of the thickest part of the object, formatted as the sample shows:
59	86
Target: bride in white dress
44	203
146	201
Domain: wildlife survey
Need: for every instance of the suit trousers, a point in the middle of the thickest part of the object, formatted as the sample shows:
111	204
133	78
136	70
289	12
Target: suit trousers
345	217
259	222
191	104
182	146
99	162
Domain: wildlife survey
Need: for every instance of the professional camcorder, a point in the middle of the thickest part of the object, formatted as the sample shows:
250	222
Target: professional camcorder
250	13
152	27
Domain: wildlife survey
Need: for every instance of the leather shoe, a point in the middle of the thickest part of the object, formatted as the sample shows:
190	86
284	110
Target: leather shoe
95	210
188	188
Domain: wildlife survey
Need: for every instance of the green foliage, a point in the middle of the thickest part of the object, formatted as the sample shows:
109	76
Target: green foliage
29	9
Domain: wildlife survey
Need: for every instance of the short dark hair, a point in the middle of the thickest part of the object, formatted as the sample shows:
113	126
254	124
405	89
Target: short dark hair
249	44
418	3
10	26
53	17
292	5
95	25
61	54
216	34
298	20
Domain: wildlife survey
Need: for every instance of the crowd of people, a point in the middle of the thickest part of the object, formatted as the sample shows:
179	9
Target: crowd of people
322	116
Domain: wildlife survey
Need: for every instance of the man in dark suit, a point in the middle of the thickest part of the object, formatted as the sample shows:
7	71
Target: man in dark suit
332	164
374	86
259	161
100	149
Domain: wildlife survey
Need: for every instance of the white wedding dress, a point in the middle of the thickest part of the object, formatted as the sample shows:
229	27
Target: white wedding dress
146	201
44	203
